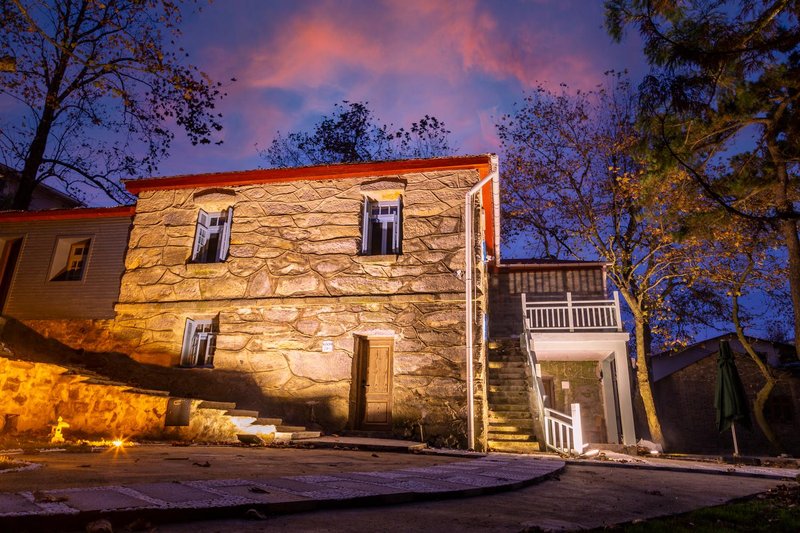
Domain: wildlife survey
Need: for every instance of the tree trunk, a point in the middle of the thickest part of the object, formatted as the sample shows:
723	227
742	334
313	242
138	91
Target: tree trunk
769	382
50	106
643	337
789	229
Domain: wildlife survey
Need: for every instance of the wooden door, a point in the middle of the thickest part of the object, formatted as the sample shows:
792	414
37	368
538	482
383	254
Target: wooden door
373	384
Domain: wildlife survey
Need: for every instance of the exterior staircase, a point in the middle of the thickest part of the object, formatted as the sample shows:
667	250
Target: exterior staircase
512	427
252	428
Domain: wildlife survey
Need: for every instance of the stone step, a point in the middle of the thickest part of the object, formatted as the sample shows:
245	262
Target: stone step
269	421
500	427
242	412
505	407
508	372
242	422
505	387
223	406
512	373
508	437
257	429
505	396
509	417
253	439
290	429
510	365
513	447
503	383
285	437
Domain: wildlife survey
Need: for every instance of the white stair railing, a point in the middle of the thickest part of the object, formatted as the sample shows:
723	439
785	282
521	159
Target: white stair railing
563	433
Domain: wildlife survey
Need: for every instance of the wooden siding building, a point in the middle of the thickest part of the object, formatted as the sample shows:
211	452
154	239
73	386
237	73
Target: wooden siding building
62	264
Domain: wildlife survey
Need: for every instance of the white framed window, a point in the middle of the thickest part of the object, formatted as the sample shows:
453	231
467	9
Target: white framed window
212	237
381	233
199	343
69	258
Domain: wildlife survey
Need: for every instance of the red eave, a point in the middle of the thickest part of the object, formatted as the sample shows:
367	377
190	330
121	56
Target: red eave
66	214
277	175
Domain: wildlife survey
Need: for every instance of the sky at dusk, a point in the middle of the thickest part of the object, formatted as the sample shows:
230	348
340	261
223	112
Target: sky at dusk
464	61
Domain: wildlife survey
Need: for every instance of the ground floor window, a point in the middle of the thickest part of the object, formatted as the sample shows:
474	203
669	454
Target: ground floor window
69	259
199	343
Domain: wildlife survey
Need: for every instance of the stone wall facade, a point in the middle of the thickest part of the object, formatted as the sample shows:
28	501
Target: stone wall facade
34	395
295	277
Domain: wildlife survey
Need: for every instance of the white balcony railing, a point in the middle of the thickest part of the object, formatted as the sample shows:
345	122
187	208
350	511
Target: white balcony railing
572	315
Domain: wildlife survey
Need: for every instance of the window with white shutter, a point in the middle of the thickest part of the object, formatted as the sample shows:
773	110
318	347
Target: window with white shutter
381	233
212	236
199	343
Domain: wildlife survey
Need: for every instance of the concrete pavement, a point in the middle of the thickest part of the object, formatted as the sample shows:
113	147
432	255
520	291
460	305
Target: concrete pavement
193	499
161	484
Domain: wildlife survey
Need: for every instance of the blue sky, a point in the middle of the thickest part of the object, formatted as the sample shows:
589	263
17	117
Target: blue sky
464	61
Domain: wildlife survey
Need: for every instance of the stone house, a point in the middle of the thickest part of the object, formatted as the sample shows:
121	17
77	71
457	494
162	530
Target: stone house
684	384
351	296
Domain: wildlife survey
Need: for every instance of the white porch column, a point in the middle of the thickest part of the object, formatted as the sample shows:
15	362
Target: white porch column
624	391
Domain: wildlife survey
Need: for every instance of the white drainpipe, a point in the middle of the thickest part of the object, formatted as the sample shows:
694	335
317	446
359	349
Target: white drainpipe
493	176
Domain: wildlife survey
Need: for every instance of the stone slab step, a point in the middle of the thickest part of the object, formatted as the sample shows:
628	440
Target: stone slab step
509	437
258	429
269	421
284	437
223	406
510	376
510	429
513	447
510	417
242	422
507	384
506	387
291	429
242	412
503	396
246	438
509	407
509	365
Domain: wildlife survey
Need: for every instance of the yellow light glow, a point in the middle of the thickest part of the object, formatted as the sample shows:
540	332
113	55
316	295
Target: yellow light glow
118	443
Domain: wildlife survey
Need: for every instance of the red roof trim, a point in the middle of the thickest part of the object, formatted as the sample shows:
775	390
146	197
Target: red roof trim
66	214
277	175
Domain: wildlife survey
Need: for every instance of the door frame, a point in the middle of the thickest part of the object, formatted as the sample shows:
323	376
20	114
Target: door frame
9	258
358	393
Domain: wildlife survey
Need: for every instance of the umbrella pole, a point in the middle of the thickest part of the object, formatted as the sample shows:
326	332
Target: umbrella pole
735	444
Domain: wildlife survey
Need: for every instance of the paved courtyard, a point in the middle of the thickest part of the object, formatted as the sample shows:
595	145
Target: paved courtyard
206	488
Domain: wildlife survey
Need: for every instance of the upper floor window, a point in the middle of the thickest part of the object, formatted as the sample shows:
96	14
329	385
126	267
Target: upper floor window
69	259
199	342
382	225
212	236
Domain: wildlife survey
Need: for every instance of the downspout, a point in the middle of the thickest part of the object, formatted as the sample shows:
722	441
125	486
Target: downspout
468	253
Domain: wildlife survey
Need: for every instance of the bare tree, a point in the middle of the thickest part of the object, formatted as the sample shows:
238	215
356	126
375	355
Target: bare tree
97	87
576	188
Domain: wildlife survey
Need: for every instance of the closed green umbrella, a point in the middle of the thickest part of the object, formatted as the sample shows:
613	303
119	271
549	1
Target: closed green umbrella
730	398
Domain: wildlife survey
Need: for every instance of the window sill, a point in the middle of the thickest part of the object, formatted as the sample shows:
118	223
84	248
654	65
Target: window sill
384	259
217	265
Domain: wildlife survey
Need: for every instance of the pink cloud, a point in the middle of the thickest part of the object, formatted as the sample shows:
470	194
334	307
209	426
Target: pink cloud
464	62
